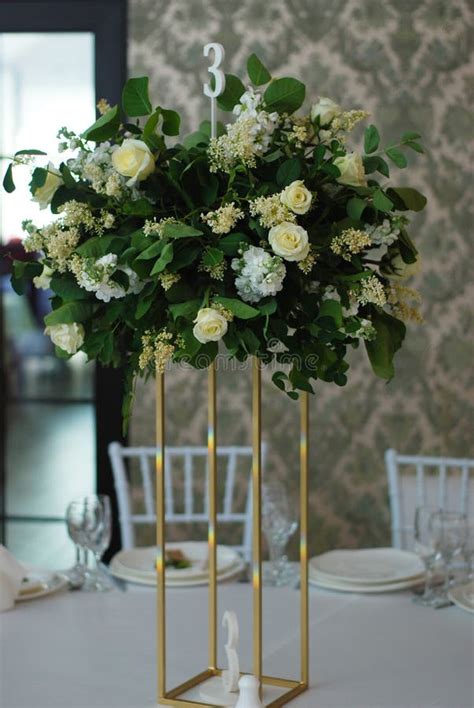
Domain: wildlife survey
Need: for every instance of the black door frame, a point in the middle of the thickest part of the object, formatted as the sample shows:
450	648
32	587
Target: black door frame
107	20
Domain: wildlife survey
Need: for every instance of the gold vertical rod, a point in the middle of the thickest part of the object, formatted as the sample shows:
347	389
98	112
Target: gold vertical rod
256	515
212	509
304	465
160	533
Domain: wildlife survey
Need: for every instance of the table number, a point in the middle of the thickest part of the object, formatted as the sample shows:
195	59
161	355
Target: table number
219	80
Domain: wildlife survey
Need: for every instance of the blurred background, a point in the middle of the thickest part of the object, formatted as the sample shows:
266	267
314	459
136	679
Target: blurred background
409	62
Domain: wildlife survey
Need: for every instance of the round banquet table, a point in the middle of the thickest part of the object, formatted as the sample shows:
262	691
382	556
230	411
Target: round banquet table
85	650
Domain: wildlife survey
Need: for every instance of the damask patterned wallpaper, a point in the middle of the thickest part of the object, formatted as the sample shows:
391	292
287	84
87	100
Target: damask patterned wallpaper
408	63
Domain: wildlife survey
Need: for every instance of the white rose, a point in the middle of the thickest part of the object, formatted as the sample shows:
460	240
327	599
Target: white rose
296	197
351	168
43	195
133	159
325	109
43	281
66	336
210	325
289	241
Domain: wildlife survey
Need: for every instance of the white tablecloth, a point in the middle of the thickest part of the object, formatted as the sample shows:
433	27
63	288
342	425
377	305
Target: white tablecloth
79	650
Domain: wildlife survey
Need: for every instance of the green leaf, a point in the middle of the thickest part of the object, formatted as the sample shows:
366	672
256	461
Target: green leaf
234	89
195	139
269	307
355	208
237	307
165	258
415	146
67	288
410	136
100	245
300	381
38	178
332	310
284	95
173	230
318	154
8	183
279	378
249	340
24	271
104	128
212	257
135	100
381	350
376	163
185	256
288	172
408	250
151	252
230	244
413	200
139	207
69	313
68	179
397	157
185	309
381	202
171	122
144	306
371	139
30	151
257	72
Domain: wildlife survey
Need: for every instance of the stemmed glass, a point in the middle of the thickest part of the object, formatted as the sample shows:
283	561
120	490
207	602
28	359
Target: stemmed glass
449	531
278	525
426	548
97	532
75	528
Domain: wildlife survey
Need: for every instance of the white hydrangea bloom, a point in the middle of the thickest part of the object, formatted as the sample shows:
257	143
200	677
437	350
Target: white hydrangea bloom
96	276
259	274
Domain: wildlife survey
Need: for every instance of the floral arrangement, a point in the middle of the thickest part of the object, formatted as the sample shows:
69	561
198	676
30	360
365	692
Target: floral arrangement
273	238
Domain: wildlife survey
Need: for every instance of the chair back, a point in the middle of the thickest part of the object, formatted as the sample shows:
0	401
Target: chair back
186	501
413	480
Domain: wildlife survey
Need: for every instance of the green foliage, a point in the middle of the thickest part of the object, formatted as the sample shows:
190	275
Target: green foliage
135	99
234	89
258	73
284	95
288	171
238	308
8	183
381	350
70	312
371	139
104	128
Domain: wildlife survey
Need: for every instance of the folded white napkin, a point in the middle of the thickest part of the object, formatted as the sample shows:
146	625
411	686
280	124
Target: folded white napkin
11	575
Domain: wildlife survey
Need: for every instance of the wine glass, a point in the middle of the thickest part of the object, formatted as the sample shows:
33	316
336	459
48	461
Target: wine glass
278	525
425	548
97	532
449	531
75	528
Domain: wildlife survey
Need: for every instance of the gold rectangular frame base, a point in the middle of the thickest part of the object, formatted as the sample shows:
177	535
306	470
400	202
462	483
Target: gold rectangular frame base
171	698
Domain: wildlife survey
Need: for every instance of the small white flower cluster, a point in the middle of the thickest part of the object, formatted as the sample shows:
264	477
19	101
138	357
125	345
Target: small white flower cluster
96	276
387	232
258	274
96	167
366	330
223	220
249	137
70	141
77	214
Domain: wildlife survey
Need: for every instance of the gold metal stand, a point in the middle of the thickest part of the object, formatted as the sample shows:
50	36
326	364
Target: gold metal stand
294	687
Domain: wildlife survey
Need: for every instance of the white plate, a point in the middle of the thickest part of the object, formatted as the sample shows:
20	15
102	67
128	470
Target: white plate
131	577
367	566
141	561
321	582
40	583
463	596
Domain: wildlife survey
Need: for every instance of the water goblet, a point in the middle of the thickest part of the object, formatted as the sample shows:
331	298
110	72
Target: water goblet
278	525
449	531
425	548
97	534
75	528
